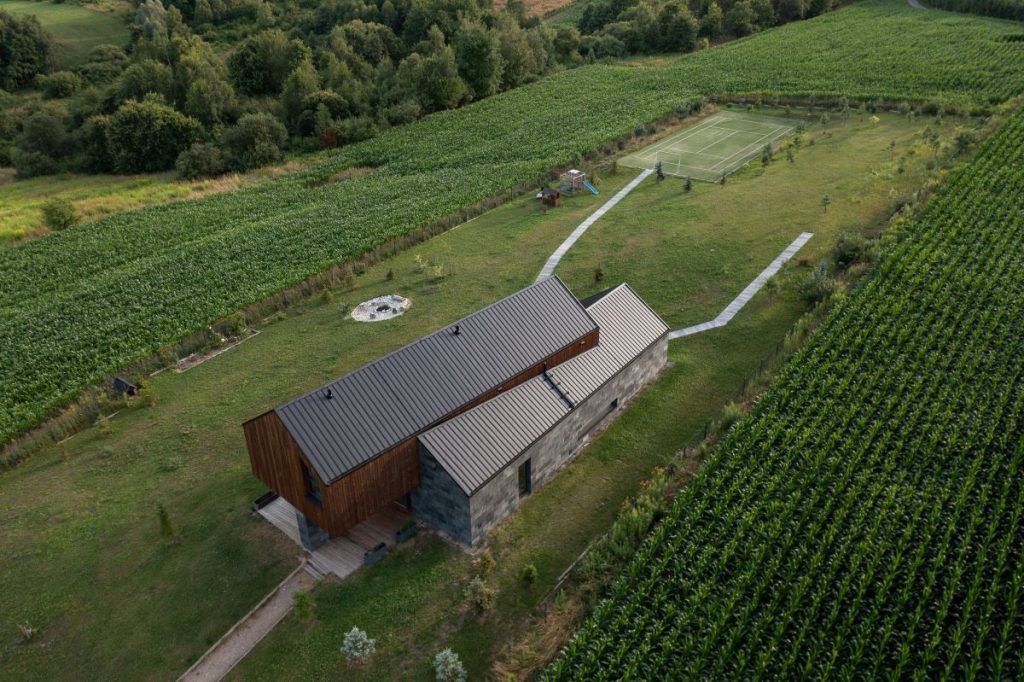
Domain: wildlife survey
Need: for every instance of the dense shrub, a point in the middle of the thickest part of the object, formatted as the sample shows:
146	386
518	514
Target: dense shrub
448	667
201	160
148	136
60	84
256	140
59	214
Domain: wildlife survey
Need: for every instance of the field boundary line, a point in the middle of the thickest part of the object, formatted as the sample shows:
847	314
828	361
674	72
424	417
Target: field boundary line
556	257
723	318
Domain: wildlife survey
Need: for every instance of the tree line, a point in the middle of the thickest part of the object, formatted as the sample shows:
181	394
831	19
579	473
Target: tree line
210	86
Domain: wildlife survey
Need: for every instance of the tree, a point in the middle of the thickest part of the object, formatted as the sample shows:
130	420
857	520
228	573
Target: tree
791	10
448	667
24	49
521	62
765	13
713	22
260	65
59	214
142	78
203	13
741	20
435	78
302	82
825	201
256	140
688	185
478	56
203	84
678	27
789	155
659	174
357	648
148	136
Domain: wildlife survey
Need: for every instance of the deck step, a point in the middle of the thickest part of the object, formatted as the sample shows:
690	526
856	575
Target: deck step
314	568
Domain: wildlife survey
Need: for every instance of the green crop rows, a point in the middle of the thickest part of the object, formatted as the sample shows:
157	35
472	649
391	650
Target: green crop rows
78	305
866	521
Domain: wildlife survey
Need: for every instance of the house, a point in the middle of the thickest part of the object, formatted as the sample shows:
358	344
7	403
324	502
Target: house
460	425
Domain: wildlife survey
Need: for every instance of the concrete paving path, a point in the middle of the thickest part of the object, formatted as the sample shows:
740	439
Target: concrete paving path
556	257
737	303
237	642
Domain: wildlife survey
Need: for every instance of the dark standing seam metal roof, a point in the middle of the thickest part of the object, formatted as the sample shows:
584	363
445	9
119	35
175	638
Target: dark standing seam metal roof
476	445
384	403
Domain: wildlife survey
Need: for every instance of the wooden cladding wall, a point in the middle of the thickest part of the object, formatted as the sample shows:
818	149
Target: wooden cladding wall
277	461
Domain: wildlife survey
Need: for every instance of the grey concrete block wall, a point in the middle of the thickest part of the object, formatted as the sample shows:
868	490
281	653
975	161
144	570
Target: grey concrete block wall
500	496
439	501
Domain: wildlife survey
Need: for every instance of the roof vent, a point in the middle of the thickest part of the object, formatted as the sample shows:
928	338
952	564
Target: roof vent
456	330
330	394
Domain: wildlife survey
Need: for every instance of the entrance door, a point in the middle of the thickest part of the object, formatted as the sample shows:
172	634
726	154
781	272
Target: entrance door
525	484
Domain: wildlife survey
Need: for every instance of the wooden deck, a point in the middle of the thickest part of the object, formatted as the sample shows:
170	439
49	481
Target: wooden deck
344	555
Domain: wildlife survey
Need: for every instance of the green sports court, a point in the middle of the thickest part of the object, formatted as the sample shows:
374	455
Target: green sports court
716	146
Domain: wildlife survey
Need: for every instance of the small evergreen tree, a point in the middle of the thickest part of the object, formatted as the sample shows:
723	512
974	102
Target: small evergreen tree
448	667
825	201
688	185
357	648
658	172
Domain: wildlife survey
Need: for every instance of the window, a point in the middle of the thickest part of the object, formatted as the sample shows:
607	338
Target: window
524	479
312	486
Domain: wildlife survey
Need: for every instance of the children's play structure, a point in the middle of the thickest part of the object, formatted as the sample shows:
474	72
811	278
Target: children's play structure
574	181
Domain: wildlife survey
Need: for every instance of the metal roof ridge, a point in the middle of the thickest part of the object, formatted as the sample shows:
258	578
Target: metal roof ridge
438	331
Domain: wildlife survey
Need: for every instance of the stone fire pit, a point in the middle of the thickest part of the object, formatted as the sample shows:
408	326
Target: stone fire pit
380	308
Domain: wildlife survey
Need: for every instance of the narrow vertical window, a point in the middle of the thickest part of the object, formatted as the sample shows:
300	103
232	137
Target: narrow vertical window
312	486
525	484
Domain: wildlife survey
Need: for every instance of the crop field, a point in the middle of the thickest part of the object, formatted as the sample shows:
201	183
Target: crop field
866	521
78	305
75	29
716	147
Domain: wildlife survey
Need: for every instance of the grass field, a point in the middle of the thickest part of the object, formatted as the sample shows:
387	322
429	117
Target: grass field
75	29
80	550
718	146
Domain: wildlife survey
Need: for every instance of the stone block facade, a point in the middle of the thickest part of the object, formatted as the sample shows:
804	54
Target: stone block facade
500	496
440	502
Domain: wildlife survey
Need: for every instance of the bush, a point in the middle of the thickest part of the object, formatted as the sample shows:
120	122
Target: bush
59	214
357	648
448	667
529	574
480	596
33	164
817	286
148	136
166	529
305	604
201	160
60	84
486	562
256	140
850	249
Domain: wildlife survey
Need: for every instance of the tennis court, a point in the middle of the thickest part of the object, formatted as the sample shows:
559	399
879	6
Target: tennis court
717	146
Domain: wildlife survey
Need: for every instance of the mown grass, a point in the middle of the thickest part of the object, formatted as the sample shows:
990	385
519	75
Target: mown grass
80	548
75	29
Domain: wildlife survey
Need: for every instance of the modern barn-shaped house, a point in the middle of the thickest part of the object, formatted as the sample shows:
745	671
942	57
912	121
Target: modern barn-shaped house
460	425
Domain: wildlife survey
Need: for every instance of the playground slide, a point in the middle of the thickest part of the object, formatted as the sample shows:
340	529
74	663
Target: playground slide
590	187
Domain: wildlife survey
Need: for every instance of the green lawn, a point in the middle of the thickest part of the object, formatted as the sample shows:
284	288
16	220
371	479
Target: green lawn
80	550
76	29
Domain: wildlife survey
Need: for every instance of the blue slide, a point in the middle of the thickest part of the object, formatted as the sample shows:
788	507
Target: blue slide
590	187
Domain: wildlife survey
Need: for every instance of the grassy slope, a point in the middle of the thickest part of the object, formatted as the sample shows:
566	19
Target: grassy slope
75	29
79	546
70	302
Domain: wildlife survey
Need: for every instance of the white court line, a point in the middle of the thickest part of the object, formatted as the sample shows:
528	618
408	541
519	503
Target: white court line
552	263
716	142
737	303
706	124
746	150
652	152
